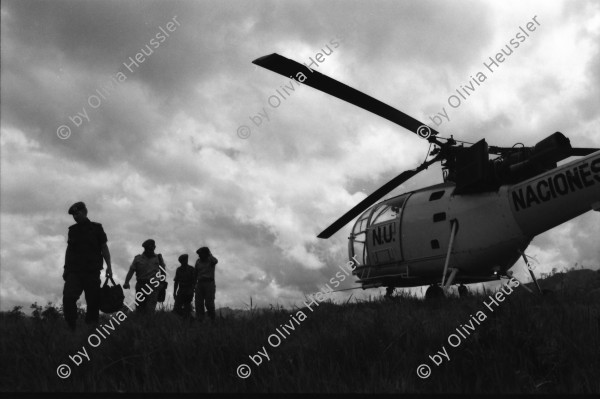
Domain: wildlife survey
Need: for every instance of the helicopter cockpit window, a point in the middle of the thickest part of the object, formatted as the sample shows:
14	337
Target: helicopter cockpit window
381	213
384	214
361	223
387	211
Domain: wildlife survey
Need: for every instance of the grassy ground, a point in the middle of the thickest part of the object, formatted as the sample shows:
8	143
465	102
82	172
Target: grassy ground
526	344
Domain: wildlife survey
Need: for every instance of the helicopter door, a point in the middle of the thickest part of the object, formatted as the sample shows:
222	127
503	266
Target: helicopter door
383	243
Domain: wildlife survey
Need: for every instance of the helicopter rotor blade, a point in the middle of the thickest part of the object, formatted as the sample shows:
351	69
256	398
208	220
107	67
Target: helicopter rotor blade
290	68
373	198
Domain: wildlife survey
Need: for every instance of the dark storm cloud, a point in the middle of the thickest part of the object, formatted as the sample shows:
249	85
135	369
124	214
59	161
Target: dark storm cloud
160	157
213	41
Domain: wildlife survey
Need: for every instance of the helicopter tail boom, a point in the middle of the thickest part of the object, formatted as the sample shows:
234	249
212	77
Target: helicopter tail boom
554	197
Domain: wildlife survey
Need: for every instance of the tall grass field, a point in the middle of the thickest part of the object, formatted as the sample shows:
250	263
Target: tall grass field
528	343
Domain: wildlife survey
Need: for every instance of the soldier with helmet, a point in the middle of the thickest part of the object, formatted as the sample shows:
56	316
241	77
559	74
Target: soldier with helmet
86	251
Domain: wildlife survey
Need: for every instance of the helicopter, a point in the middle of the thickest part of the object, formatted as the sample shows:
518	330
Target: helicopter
472	227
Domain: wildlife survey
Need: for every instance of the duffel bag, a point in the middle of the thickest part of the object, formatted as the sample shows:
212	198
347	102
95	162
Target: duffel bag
111	298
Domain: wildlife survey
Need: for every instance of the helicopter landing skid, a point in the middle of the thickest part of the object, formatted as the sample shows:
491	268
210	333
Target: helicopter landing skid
531	272
454	225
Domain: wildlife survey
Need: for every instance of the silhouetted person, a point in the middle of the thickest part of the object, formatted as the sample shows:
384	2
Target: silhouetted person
185	279
205	285
148	274
86	249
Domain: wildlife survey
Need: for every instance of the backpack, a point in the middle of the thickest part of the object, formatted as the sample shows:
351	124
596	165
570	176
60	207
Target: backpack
111	298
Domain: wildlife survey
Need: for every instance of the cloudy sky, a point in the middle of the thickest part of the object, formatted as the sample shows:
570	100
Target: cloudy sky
153	149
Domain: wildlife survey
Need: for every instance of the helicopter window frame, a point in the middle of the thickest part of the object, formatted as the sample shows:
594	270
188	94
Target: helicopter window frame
387	213
358	246
395	208
380	209
363	222
360	226
435	244
399	203
437	195
376	215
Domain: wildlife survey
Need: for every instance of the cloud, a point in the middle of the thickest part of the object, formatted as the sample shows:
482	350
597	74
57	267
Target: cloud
157	154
